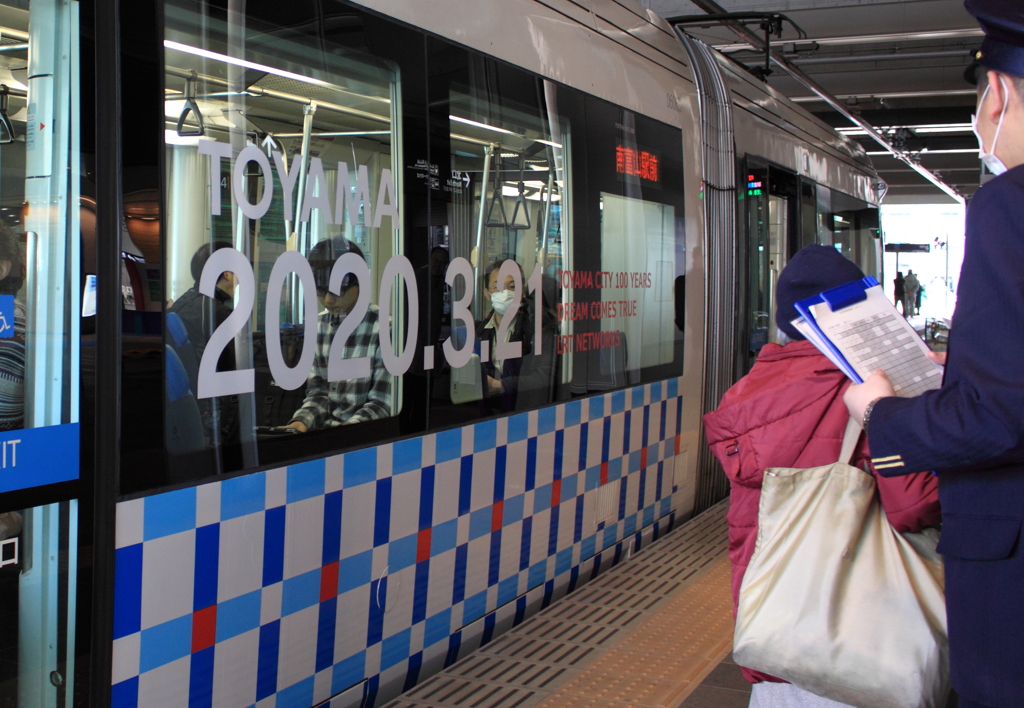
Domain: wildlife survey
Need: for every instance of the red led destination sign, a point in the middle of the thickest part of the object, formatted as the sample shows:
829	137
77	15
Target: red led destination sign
633	162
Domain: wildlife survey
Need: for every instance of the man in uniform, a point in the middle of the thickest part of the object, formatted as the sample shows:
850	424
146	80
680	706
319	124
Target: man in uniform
971	430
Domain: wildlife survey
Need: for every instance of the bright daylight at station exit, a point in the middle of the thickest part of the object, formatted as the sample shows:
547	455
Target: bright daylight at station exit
511	353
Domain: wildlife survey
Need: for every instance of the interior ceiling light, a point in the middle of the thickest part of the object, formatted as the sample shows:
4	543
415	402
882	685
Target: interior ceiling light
962	128
467	121
475	124
196	51
933	128
926	151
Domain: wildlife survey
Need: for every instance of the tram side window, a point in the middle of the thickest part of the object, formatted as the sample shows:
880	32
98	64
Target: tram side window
628	277
506	239
39	234
284	267
566	213
44	201
855	230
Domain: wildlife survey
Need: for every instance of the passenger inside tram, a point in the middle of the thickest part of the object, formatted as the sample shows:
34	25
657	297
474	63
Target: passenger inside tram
353	399
194	308
201	316
526	381
501	372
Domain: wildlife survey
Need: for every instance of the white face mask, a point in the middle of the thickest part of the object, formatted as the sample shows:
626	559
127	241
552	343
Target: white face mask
501	300
993	163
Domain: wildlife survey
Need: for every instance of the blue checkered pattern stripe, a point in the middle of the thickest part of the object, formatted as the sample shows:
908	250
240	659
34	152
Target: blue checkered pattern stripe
359	574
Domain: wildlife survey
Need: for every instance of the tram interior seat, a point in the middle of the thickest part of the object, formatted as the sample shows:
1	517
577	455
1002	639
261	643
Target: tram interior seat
275	405
184	423
182	346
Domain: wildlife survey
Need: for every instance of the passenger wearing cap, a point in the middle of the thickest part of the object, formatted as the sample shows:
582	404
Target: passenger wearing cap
971	430
330	404
788	412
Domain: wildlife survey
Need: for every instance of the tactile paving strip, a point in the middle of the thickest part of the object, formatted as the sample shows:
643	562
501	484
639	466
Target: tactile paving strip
643	634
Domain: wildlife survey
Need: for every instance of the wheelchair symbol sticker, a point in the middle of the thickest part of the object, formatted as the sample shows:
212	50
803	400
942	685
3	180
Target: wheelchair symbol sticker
6	316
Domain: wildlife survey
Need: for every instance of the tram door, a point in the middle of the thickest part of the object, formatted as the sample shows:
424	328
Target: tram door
39	350
773	197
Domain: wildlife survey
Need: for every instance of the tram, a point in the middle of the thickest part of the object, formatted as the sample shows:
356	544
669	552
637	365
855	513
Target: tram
338	338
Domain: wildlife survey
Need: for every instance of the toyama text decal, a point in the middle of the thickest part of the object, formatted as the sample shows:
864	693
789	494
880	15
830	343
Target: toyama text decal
397	356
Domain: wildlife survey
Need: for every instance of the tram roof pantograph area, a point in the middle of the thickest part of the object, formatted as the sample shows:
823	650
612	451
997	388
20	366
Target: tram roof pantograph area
896	65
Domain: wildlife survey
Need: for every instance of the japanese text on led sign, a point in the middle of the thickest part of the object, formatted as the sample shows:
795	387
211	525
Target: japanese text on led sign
637	163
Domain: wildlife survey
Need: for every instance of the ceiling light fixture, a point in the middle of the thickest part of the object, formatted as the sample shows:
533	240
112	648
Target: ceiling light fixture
476	124
205	53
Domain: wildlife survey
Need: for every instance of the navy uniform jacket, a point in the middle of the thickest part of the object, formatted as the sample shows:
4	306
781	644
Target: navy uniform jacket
971	431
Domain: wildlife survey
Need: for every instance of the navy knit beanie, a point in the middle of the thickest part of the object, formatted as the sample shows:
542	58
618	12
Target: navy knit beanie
811	271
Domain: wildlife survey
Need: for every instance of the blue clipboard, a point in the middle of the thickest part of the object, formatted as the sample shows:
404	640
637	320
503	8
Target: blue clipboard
836	298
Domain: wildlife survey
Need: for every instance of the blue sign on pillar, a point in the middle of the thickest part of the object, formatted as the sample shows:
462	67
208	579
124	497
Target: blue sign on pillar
6	316
33	457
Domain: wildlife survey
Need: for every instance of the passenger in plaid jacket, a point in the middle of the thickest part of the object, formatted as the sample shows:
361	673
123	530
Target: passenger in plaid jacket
330	404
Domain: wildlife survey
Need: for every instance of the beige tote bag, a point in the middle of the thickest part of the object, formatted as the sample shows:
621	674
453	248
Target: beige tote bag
837	602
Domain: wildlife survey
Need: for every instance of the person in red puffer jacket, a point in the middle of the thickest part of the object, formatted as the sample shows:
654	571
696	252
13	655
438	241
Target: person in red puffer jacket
789	412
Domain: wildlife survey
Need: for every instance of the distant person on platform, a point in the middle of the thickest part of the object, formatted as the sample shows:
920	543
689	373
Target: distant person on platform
899	291
912	286
329	404
971	430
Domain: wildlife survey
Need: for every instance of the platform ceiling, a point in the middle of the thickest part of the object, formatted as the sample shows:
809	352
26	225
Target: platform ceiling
898	64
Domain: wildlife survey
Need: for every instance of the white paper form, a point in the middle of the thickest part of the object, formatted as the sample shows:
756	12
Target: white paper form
871	334
812	336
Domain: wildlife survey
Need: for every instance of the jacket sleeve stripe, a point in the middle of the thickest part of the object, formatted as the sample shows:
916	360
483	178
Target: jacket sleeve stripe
888	465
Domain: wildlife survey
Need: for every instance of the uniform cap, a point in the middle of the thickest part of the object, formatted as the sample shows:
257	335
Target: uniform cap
813	270
1003	48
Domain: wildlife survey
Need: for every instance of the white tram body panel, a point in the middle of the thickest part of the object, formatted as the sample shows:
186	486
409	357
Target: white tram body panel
353	574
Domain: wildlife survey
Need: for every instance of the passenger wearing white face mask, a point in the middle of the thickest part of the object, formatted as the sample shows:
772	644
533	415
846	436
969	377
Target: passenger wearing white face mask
501	374
971	430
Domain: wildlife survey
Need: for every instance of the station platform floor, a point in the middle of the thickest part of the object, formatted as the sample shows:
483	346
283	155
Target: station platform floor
655	631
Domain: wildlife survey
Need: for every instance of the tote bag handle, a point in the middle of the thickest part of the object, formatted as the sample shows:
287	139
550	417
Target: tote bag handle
850	440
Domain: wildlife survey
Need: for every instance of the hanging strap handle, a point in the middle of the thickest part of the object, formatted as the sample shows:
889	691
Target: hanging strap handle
850	440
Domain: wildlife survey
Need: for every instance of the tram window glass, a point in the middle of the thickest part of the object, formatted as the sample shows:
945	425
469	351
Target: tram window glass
854	230
759	256
284	266
508	220
264	227
633	328
824	215
44	201
639	237
569	208
808	214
